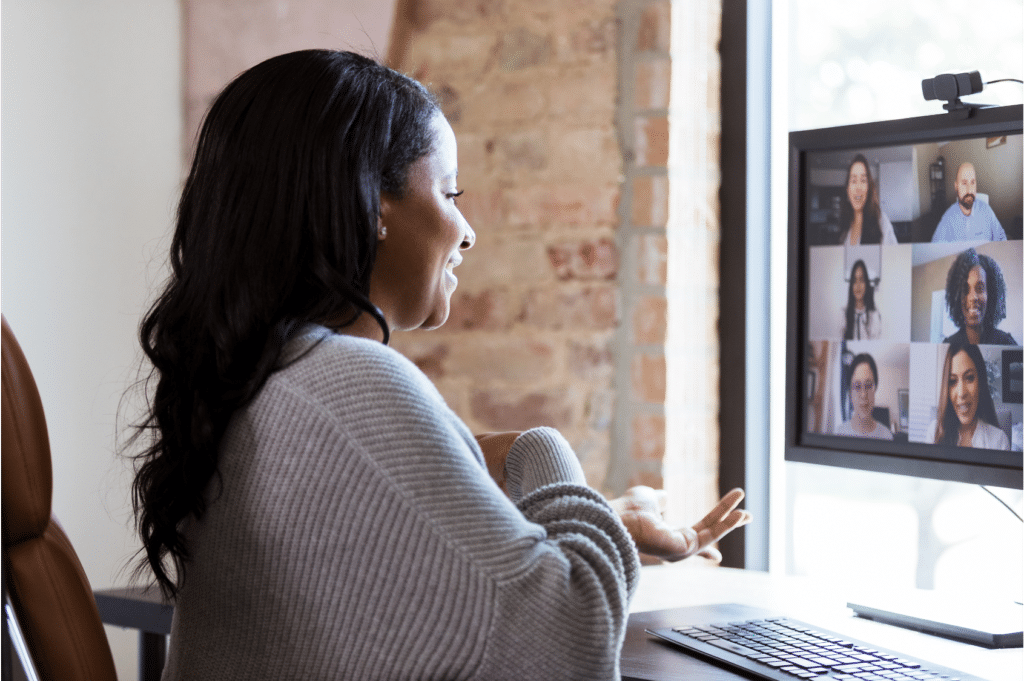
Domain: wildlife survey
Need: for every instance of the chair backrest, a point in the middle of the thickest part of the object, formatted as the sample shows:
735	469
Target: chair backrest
44	578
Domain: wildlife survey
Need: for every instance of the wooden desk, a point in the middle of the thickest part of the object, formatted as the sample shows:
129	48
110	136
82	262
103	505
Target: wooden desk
661	588
673	586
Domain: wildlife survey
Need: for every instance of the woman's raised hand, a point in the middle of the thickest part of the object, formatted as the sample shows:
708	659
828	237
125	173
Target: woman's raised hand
641	509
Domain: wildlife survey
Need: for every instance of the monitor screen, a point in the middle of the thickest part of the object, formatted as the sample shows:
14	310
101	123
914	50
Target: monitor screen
905	297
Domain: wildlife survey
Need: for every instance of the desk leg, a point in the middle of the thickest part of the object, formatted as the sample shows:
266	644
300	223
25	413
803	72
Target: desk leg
152	655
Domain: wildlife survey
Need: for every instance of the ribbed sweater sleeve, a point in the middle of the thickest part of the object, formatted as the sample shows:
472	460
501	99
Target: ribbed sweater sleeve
353	532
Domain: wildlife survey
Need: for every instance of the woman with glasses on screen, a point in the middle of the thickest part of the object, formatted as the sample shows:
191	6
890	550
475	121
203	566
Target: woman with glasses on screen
861	220
863	384
863	321
968	413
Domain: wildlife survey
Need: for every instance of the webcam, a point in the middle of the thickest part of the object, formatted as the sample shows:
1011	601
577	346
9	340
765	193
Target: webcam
951	87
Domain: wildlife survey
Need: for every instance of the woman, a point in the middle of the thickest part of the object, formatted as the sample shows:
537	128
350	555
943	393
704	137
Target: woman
862	386
976	300
861	220
968	412
305	494
863	321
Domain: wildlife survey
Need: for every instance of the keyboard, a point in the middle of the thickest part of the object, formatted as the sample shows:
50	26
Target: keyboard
785	649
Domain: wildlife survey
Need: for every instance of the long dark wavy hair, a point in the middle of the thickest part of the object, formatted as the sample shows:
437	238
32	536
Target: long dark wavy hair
948	431
851	303
871	229
995	285
277	226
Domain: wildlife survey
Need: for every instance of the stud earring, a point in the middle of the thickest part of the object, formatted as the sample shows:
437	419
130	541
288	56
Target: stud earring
382	232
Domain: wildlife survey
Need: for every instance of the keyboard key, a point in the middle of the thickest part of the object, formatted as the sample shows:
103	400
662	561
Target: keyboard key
805	663
732	647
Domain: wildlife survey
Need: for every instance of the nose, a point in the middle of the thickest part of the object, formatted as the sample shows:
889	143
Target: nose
468	239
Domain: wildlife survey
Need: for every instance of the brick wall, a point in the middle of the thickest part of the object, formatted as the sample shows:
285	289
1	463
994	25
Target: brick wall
530	90
222	38
561	109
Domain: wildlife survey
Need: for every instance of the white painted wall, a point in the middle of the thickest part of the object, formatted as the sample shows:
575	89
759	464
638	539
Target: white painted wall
91	123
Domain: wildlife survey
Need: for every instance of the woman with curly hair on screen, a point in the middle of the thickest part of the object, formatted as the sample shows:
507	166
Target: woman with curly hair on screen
976	299
967	412
861	219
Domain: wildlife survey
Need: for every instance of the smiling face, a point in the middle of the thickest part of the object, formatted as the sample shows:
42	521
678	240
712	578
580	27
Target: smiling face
862	391
966	187
963	389
975	298
857	186
412	280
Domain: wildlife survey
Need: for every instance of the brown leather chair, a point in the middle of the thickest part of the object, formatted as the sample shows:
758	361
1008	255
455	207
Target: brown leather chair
43	577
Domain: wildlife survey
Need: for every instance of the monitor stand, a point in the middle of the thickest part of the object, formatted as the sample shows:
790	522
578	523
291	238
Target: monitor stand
990	623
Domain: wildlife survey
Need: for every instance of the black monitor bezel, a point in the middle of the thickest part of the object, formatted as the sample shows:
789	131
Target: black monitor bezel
986	467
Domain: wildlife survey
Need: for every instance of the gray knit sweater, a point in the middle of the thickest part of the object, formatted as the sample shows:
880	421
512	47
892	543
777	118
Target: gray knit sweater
354	533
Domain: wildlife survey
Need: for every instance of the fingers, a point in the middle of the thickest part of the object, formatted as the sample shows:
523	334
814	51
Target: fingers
641	508
643	498
654	537
735	519
722	510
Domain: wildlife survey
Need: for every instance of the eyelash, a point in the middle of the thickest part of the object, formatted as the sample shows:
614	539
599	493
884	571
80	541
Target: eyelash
456	195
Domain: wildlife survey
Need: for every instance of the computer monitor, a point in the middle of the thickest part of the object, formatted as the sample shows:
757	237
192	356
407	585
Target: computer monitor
904	314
